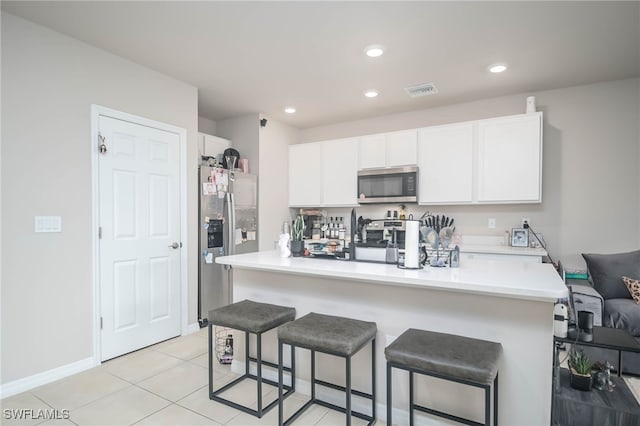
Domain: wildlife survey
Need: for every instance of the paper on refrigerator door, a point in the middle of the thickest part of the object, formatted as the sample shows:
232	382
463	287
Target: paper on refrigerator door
208	258
238	236
208	188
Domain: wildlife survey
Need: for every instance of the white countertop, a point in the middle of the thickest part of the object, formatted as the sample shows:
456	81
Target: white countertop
509	278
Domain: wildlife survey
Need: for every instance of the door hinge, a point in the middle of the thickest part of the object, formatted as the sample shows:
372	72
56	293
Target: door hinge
99	232
102	147
100	323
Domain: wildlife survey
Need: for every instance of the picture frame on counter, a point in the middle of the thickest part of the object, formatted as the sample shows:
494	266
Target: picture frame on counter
519	237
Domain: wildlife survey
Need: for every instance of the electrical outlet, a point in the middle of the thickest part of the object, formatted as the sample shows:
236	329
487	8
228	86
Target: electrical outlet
492	223
525	220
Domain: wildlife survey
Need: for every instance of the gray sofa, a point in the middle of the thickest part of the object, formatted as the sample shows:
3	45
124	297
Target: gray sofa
608	298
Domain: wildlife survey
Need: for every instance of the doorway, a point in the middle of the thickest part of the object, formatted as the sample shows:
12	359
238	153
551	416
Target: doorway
140	284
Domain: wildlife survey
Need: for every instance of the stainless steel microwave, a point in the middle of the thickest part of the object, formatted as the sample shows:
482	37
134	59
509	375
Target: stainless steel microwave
389	185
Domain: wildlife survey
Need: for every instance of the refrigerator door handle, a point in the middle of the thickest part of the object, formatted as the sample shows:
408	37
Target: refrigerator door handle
231	210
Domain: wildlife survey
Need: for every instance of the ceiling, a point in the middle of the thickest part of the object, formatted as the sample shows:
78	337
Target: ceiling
258	57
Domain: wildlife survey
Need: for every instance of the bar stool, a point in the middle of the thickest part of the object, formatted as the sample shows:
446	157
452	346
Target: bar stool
342	337
256	318
459	359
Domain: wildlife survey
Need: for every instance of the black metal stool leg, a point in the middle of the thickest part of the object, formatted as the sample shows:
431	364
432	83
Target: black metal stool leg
487	406
348	390
373	378
495	401
259	371
280	381
293	368
411	398
389	396
313	375
246	353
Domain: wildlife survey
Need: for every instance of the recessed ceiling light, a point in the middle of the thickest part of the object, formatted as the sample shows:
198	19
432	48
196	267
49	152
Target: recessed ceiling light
374	51
371	93
497	68
289	110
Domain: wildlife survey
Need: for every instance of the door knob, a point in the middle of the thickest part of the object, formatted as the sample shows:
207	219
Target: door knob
174	245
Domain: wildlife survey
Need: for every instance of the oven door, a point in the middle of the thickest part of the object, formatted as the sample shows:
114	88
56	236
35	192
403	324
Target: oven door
393	185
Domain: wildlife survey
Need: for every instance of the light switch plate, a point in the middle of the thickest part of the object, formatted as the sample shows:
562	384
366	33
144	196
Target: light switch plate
48	224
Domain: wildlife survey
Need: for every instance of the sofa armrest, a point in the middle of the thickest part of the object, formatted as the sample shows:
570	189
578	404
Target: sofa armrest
586	298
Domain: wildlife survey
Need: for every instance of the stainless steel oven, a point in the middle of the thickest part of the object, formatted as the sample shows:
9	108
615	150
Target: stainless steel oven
389	185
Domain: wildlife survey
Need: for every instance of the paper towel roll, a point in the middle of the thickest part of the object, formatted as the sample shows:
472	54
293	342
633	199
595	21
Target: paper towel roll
412	244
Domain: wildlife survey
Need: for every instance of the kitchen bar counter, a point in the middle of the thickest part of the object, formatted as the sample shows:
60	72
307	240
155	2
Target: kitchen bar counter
509	302
520	280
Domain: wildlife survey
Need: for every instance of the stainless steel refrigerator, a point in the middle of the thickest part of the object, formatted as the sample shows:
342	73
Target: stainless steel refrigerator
227	225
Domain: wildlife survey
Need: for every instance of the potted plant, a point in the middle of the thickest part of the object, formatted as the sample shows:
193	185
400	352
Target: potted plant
297	232
580	367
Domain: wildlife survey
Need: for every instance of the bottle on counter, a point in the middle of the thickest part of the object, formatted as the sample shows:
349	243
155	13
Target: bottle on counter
330	231
341	230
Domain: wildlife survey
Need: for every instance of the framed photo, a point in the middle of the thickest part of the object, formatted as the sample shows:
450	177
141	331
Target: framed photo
519	237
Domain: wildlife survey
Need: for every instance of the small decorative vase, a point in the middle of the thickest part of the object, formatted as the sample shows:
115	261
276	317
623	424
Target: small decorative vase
580	381
600	380
297	248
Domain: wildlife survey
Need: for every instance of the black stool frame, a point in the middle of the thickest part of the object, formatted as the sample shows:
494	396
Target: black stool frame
347	389
412	406
213	395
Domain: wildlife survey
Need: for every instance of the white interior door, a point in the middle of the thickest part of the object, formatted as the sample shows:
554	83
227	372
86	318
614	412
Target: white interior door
139	248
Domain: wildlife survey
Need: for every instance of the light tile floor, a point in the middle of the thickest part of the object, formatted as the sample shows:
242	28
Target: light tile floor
165	384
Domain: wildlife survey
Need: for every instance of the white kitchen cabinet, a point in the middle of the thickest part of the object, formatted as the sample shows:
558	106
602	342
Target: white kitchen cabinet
339	173
509	162
323	174
402	148
212	145
372	151
445	164
305	175
388	150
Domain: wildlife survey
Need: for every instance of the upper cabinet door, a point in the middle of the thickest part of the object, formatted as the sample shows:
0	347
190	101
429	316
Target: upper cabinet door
340	173
305	175
510	159
445	164
372	151
402	148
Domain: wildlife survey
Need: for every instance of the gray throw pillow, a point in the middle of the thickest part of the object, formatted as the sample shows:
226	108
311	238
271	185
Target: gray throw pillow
607	270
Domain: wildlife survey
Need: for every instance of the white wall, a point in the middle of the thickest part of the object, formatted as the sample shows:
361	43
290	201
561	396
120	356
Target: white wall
275	139
243	132
206	126
49	82
591	178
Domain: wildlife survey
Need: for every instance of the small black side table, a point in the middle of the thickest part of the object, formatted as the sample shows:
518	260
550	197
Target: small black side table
607	338
570	406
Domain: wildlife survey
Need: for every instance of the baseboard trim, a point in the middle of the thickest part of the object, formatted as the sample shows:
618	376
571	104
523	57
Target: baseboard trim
39	379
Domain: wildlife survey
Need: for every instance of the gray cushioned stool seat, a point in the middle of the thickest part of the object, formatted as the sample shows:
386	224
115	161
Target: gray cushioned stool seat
251	316
325	333
455	356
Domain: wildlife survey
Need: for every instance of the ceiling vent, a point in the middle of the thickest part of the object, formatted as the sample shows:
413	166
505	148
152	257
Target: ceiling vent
421	90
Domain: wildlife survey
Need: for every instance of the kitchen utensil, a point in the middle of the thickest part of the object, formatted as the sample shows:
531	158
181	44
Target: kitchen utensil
446	235
431	238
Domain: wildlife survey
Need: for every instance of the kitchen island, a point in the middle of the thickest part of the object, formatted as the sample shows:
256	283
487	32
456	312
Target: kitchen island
503	301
